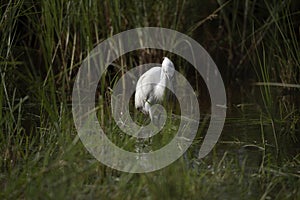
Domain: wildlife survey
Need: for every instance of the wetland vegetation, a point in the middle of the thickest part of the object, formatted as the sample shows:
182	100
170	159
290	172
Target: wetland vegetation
255	45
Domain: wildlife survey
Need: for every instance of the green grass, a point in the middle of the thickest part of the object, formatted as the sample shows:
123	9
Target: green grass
255	45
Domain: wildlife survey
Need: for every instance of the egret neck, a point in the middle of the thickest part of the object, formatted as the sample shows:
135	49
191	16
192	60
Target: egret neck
160	87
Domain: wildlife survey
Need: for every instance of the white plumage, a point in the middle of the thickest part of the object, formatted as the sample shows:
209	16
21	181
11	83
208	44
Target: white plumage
151	86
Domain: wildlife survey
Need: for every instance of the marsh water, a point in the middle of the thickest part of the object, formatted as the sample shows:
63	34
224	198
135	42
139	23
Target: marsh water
250	135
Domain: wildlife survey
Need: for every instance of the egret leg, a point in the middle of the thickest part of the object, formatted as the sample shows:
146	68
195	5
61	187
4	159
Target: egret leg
148	109
155	116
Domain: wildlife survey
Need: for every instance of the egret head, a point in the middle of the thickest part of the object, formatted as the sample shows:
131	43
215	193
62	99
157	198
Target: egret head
168	68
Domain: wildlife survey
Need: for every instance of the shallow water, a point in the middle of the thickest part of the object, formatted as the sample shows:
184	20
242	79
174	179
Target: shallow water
249	134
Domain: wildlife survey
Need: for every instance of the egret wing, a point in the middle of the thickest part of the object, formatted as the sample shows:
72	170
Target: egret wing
145	86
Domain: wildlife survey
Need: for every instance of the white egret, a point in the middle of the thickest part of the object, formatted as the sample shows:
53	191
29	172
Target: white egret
151	86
